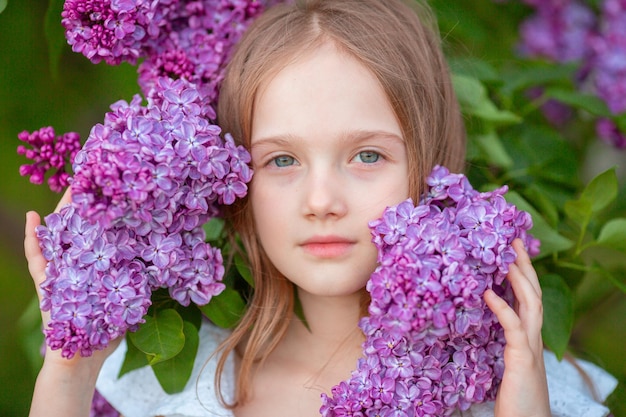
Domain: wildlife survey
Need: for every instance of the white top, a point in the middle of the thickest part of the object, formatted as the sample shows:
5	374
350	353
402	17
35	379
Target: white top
138	393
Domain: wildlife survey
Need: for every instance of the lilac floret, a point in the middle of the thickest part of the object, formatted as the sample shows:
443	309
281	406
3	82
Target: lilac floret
432	345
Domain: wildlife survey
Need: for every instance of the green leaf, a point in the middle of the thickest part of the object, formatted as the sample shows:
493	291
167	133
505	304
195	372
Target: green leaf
488	111
544	204
558	313
30	334
174	373
613	234
55	35
244	270
3	5
473	67
580	211
213	229
469	91
588	102
190	314
134	358
491	146
620	284
225	309
161	336
601	191
621	122
534	74
298	310
542	154
473	98
551	240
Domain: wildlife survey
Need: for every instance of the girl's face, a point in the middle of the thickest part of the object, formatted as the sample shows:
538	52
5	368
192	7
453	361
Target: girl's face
328	156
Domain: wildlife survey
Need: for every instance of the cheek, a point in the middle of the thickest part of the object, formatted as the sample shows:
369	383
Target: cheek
268	214
376	199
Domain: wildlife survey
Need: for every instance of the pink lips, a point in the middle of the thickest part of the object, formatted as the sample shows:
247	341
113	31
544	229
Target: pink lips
327	246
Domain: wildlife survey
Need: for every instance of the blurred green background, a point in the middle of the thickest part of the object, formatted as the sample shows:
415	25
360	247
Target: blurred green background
30	97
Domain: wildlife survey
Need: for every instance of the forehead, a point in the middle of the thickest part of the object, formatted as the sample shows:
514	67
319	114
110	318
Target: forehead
323	91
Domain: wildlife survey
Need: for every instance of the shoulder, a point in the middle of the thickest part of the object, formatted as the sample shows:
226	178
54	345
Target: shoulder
138	393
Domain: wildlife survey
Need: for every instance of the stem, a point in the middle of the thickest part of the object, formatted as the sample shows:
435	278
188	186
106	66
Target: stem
517	173
573	266
581	237
533	105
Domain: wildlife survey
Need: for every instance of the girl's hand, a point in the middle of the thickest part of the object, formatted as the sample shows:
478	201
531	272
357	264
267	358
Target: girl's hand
64	387
36	262
524	389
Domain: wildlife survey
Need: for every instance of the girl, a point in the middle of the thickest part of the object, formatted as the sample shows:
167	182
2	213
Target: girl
345	107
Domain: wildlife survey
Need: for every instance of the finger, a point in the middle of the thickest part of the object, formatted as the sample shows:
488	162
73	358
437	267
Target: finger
525	265
66	199
528	306
36	261
514	332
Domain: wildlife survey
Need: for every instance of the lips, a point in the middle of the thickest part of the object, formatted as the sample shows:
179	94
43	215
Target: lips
327	246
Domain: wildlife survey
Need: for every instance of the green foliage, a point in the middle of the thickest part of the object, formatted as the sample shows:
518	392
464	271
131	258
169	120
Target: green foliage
168	342
161	337
613	235
551	240
54	35
541	164
511	142
3	5
174	373
226	309
558	307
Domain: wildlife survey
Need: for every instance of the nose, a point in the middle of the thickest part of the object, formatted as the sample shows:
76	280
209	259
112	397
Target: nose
325	194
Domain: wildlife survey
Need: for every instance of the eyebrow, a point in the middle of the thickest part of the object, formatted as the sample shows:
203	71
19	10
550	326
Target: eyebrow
351	136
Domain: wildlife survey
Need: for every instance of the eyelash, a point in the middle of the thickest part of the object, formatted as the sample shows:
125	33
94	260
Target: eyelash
275	161
369	153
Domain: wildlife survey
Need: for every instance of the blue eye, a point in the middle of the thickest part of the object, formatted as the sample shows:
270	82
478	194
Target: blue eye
368	157
284	161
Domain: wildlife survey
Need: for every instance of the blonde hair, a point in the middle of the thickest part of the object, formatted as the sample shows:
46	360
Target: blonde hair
401	46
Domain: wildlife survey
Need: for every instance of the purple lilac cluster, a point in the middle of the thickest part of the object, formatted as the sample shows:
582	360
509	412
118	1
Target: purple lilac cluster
145	182
148	177
99	280
610	133
568	30
557	30
114	30
178	39
48	151
159	166
432	345
609	47
198	42
609	70
189	39
100	407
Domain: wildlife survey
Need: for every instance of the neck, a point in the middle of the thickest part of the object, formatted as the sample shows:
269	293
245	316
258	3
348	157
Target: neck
331	326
